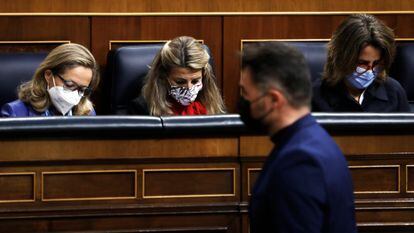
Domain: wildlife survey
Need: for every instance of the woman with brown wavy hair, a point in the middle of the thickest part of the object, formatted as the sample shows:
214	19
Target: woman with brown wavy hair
355	77
180	82
61	85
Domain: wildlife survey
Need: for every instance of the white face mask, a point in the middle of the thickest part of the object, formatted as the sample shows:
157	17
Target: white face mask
63	100
185	96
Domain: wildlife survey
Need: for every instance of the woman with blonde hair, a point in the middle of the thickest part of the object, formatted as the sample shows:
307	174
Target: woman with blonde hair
61	85
355	78
180	82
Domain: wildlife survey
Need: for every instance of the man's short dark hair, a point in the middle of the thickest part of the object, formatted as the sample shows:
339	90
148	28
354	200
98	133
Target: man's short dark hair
275	64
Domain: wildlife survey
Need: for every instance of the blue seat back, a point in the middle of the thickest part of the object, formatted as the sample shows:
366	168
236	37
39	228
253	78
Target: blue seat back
16	68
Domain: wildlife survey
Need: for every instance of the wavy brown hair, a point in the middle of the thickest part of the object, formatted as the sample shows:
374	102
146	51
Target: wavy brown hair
63	57
182	52
354	34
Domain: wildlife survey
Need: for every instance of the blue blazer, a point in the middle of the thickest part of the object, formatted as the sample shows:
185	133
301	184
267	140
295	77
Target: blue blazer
18	108
305	184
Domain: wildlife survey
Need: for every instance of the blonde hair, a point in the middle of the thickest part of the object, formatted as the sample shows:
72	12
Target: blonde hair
183	52
66	56
352	35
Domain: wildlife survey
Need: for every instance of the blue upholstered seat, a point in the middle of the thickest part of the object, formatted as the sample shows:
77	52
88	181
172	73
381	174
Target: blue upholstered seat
129	66
16	68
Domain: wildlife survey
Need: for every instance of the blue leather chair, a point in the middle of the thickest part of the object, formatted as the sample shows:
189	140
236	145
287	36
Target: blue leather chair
315	54
128	67
16	68
403	69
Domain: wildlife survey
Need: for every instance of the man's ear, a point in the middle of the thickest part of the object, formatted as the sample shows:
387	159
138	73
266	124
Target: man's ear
278	98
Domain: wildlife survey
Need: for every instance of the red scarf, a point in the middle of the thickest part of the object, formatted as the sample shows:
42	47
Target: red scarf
195	108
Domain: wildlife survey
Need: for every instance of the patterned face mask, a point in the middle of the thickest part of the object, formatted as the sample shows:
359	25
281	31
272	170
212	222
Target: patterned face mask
185	96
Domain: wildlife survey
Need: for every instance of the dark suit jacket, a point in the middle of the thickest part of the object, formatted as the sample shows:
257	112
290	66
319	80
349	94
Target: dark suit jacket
388	96
305	184
138	106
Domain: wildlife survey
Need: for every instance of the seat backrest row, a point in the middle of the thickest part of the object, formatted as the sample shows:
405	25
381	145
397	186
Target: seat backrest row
129	65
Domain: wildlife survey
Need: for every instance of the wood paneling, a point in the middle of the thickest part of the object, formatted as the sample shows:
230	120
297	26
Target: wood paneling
100	6
35	150
29	46
255	146
17	187
250	168
73	29
245	223
259	146
89	185
398	227
194	176
376	178
126	221
398	23
160	157
369	144
189	182
410	178
385	215
252	176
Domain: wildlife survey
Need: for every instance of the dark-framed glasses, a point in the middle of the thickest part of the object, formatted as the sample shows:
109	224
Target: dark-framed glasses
364	66
72	86
360	70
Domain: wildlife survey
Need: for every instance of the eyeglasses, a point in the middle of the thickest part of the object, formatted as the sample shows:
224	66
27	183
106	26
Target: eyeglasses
362	70
363	67
72	86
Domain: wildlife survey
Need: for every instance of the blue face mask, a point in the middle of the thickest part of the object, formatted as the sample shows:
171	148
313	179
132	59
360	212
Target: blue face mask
362	78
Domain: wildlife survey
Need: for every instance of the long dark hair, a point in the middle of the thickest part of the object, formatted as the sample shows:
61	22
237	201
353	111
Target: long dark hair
354	34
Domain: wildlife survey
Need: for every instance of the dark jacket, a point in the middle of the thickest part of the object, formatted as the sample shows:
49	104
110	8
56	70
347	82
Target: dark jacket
138	106
305	184
386	96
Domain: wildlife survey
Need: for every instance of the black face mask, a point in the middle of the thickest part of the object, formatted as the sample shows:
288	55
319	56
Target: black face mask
246	115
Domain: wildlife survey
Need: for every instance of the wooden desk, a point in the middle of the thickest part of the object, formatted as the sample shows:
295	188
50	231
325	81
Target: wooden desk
90	176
